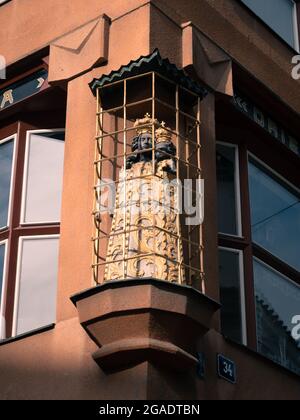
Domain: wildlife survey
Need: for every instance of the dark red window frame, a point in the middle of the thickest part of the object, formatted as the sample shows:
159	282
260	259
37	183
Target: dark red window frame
235	128
16	229
49	113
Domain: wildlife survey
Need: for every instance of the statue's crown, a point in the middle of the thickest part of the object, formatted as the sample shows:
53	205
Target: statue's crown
144	125
163	134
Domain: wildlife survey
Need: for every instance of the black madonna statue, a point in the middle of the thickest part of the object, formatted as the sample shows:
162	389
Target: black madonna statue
142	145
144	239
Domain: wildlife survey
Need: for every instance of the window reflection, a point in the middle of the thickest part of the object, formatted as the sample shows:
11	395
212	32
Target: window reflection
36	302
43	189
278	14
6	157
230	294
275	213
227	202
277	302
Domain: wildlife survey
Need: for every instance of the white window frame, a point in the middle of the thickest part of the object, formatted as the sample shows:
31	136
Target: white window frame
237	186
13	137
25	175
3	289
18	275
242	290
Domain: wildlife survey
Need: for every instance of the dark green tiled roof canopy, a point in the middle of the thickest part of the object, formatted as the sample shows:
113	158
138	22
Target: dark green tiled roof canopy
153	62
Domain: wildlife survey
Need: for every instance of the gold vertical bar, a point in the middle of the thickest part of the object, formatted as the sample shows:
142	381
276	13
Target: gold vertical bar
179	256
188	154
100	170
97	178
124	178
95	230
153	124
200	167
153	181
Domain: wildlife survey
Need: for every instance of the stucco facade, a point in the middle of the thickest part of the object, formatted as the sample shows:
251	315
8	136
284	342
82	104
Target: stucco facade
218	43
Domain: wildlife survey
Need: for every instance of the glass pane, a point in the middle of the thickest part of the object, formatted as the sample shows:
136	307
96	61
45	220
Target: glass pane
277	302
230	294
37	284
226	177
2	256
44	178
275	212
278	14
6	158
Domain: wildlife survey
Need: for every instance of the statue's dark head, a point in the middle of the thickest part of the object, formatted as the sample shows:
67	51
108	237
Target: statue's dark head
142	142
165	150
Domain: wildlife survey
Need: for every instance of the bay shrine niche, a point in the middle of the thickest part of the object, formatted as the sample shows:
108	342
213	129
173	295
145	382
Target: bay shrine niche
147	146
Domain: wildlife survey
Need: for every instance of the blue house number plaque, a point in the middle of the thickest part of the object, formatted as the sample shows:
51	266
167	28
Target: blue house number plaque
226	369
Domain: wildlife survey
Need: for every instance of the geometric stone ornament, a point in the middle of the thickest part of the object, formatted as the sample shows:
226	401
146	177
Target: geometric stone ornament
79	51
208	61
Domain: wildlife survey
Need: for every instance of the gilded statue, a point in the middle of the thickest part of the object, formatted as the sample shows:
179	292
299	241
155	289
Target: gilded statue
145	238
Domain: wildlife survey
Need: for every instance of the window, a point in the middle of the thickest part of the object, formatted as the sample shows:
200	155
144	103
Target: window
35	300
2	259
228	190
6	165
275	213
44	166
232	294
30	202
277	302
280	15
259	272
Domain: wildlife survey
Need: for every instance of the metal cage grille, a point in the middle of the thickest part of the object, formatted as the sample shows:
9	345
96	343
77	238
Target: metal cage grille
118	241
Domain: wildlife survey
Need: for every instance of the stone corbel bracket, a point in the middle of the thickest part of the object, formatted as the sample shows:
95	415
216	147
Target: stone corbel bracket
145	319
79	51
210	63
